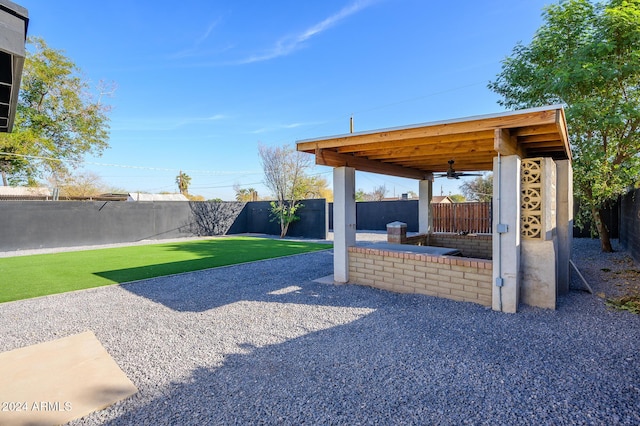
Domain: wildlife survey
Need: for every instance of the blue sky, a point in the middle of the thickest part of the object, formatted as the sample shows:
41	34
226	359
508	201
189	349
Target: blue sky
201	83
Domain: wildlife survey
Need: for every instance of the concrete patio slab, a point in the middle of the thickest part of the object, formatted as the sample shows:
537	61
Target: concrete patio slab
58	381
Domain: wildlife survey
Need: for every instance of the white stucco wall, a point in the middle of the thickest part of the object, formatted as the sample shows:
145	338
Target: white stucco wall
506	245
425	216
344	220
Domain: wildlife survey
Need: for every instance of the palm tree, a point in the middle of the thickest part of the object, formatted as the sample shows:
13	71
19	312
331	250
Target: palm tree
246	194
183	180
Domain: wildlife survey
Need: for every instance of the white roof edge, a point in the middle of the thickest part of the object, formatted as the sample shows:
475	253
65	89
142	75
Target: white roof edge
140	196
440	122
25	191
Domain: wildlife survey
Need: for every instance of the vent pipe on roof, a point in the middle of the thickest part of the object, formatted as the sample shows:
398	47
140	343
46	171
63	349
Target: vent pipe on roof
351	124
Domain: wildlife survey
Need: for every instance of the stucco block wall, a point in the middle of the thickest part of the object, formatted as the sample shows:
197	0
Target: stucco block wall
44	224
630	223
538	269
456	278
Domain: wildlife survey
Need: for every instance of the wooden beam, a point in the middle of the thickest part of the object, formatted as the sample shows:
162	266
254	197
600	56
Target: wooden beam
450	149
545	144
542	137
561	122
325	157
505	143
534	130
419	142
441	161
481	164
442	158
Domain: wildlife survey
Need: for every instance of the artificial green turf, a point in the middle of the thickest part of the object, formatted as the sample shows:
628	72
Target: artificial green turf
24	277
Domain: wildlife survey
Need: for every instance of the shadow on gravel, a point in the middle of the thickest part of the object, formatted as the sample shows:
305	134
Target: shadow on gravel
273	280
125	275
420	360
410	359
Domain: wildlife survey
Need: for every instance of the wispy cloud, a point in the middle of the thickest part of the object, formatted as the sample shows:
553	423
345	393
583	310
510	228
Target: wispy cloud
195	48
281	127
207	32
163	124
217	117
291	43
191	120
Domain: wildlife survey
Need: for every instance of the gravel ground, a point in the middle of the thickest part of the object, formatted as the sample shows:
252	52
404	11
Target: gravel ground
262	343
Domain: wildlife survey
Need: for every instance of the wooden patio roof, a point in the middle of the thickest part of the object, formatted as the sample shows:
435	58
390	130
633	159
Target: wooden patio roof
418	151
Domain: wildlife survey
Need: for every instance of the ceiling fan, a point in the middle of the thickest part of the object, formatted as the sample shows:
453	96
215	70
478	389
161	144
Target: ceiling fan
452	174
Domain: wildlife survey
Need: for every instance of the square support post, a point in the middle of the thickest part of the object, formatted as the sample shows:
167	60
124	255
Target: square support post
344	220
564	204
506	233
425	216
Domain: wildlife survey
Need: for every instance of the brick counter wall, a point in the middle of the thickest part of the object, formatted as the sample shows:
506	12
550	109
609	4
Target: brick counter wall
480	245
473	245
456	278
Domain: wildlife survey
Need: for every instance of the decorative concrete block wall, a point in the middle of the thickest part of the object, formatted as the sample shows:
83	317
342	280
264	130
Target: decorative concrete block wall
456	278
538	199
538	244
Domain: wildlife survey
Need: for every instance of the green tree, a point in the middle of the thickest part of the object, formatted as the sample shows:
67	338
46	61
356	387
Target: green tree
183	181
58	120
285	173
586	56
458	198
478	189
312	187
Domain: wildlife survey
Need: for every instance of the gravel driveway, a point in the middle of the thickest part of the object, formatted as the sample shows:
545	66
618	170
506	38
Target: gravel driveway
262	343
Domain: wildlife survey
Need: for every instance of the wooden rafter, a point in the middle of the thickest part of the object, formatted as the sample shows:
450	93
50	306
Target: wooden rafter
430	150
331	158
422	142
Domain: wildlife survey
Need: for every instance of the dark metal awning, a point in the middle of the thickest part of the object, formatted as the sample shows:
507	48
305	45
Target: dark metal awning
13	31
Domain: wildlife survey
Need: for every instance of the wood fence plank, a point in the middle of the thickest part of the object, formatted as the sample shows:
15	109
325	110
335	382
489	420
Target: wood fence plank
472	217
